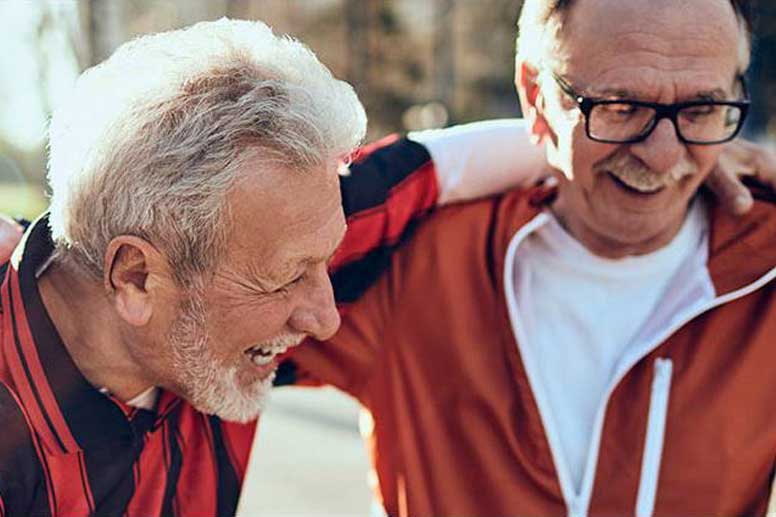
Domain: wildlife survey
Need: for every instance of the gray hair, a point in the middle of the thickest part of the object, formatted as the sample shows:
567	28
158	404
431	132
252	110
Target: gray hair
540	21
152	139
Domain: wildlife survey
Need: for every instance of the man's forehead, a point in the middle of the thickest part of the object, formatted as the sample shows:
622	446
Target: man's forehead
606	14
650	85
630	44
660	26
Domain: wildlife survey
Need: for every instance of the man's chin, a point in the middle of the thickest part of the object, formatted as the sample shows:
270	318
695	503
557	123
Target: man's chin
235	405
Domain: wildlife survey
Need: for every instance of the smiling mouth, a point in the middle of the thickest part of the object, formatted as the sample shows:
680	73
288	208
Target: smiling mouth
262	355
642	190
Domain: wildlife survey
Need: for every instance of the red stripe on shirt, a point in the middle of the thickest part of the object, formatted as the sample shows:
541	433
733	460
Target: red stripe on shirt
85	482
34	438
238	440
150	475
20	379
35	367
69	480
196	490
364	151
384	224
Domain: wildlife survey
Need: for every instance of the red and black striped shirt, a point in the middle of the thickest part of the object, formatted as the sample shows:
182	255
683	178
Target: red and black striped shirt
67	449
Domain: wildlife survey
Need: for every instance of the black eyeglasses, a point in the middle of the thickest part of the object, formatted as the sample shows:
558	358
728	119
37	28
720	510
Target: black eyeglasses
699	122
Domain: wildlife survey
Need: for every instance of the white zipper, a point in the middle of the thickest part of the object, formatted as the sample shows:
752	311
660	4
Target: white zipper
653	444
579	503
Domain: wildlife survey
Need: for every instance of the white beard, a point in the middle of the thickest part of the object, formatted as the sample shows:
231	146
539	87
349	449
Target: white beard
209	385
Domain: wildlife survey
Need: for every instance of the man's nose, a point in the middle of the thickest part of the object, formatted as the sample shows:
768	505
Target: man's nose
662	150
317	315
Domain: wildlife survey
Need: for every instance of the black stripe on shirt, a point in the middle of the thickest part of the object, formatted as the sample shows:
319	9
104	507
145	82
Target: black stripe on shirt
352	280
26	368
3	271
228	490
111	474
171	426
369	182
23	480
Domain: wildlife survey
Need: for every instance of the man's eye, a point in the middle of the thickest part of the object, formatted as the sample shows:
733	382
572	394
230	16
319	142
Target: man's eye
286	287
620	110
699	112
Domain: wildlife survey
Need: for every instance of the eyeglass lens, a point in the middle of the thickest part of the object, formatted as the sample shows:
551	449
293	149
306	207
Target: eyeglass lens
696	123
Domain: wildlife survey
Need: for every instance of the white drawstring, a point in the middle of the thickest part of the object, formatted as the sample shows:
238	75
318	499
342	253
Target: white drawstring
653	445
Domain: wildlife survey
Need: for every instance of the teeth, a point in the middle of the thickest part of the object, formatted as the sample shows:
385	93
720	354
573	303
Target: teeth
641	180
263	354
261	359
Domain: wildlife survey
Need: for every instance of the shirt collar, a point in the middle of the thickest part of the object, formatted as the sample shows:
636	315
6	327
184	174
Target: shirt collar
69	413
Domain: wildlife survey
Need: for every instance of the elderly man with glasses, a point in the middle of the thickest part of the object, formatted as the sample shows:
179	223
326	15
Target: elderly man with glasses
603	346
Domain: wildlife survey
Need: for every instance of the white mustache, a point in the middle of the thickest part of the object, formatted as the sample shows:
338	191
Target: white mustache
635	174
285	340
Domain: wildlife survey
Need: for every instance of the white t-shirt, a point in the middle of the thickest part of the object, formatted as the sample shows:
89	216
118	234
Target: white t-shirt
580	313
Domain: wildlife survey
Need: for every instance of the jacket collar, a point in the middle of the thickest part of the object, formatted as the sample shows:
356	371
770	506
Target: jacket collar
742	249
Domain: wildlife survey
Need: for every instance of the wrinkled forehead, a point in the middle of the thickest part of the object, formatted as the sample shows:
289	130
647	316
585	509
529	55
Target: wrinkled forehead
663	44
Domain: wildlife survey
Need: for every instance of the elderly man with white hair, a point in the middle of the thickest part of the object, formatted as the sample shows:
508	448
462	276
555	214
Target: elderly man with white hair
195	205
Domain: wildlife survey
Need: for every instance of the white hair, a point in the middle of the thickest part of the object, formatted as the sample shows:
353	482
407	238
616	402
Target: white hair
153	138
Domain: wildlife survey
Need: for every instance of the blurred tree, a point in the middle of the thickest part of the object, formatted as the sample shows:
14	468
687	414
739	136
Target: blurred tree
104	28
444	65
400	55
359	15
762	76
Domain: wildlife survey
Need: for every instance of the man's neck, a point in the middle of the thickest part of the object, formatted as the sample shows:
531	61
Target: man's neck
91	331
603	246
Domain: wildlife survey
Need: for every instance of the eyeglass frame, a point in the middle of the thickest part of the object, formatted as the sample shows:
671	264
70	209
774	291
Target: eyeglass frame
669	111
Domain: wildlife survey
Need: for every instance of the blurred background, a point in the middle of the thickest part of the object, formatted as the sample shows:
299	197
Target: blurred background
416	64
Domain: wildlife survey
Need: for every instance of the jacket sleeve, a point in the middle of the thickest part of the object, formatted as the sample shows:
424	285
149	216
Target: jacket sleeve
390	185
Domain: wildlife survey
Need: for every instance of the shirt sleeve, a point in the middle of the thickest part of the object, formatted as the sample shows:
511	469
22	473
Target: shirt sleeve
482	158
389	184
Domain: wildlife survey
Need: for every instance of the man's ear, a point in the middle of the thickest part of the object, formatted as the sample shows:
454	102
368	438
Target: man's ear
134	271
531	101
